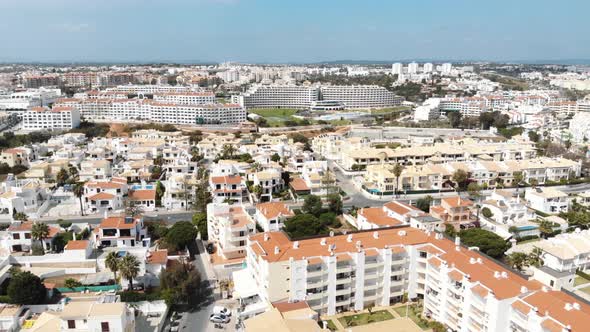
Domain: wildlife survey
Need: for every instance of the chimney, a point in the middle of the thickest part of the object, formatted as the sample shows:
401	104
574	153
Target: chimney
479	260
376	235
331	233
323	241
523	289
401	233
497	274
544	289
349	238
296	245
277	250
576	305
472	260
504	274
457	241
568	307
266	237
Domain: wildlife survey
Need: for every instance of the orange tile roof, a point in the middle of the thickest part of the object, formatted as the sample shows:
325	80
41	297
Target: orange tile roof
27	226
158	257
401	208
480	290
228	179
298	184
117	222
286	306
521	306
101	195
553	303
105	185
379	217
271	210
143	194
456	275
457	201
552	326
77	245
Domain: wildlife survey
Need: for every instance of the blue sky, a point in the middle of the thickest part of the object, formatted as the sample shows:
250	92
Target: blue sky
292	31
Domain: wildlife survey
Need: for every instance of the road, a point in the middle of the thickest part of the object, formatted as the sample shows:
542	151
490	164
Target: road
170	217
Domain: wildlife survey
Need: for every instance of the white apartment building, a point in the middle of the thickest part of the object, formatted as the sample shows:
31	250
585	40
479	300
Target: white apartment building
360	96
186	98
23	100
227	187
428	110
275	96
580	127
446	68
56	118
462	289
270	181
547	199
150	89
397	68
412	68
428	67
506	208
228	227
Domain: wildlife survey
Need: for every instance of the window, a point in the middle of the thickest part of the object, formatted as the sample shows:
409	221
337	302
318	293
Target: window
16	236
27	235
71	324
104	327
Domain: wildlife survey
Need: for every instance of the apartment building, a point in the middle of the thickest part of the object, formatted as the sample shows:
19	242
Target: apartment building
456	212
270	181
227	187
121	231
360	96
15	156
547	199
37	81
271	216
277	96
462	289
186	98
56	118
151	89
228	227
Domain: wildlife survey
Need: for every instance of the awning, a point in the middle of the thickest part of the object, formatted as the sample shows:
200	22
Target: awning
244	284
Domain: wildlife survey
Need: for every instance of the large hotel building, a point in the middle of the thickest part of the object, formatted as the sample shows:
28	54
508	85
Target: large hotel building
460	287
304	96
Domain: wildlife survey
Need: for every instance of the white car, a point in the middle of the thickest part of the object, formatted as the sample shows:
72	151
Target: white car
219	318
220	310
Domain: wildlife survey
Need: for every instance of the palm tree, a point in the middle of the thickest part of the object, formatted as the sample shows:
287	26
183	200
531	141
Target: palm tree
112	263
73	171
129	268
518	178
79	192
39	231
397	171
228	150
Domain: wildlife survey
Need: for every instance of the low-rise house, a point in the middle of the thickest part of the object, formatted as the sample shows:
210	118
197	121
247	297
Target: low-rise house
27	196
271	216
506	208
15	156
121	231
567	251
21	240
95	170
456	212
314	174
103	196
144	199
270	181
228	227
547	199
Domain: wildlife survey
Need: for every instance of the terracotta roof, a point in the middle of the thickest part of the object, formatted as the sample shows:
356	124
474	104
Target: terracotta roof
298	184
105	185
101	195
552	326
286	306
158	257
143	194
228	179
456	275
77	245
480	290
457	201
553	304
379	217
271	210
117	222
27	226
521	307
401	208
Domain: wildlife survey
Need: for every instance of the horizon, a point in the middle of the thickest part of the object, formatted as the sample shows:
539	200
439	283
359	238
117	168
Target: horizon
305	32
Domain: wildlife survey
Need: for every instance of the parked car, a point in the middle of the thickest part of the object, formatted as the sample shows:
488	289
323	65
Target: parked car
221	310
218	318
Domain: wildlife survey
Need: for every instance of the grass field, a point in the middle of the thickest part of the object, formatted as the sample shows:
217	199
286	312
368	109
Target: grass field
365	318
275	117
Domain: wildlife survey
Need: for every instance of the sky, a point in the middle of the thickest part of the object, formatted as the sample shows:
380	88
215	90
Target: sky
282	31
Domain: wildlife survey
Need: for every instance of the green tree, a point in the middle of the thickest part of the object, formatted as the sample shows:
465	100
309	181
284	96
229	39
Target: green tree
26	288
40	231
112	262
227	151
79	192
61	177
454	118
545	228
424	203
474	189
72	283
397	172
460	177
180	284
517	260
535	257
518	177
312	204
180	235
160	190
129	268
20	216
488	242
257	191
200	221
202	196
303	225
335	203
486	212
275	158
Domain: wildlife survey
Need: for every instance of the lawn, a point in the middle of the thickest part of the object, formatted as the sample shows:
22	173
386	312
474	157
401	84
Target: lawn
390	110
331	325
580	281
365	318
276	117
412	315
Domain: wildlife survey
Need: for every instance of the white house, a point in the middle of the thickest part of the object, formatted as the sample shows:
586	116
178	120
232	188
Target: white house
272	215
547	199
